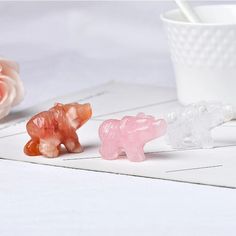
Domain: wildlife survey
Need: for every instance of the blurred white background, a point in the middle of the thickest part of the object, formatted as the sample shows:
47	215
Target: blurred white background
66	46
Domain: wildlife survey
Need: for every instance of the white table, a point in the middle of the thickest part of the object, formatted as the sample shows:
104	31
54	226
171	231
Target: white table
45	200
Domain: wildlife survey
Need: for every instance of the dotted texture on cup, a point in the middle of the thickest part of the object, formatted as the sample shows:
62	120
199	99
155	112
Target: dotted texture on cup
200	46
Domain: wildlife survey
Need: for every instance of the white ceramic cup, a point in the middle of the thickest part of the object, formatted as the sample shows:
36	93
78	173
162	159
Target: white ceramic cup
204	54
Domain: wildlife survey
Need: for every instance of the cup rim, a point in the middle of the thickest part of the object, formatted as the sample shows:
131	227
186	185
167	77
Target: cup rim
164	18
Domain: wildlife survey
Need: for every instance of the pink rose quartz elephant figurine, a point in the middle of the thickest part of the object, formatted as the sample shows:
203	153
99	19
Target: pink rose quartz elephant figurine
129	135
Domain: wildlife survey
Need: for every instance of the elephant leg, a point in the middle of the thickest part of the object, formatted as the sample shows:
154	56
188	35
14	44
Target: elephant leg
73	145
49	147
109	151
135	154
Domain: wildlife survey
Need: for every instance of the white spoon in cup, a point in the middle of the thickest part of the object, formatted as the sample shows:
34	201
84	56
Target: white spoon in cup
188	11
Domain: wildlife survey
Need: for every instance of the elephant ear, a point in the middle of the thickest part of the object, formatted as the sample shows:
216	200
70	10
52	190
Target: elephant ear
124	122
57	108
144	116
141	115
131	124
128	124
58	104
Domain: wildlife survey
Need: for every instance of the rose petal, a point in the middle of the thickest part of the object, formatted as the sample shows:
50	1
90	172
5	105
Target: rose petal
20	92
5	103
8	71
3	92
11	73
10	89
9	63
5	88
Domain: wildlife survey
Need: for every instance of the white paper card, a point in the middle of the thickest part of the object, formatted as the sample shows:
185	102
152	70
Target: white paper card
215	166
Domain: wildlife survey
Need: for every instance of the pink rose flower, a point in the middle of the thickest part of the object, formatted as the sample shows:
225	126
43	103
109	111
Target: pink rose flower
11	87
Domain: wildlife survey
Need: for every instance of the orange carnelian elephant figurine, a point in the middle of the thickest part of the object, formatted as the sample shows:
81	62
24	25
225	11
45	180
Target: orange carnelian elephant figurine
49	129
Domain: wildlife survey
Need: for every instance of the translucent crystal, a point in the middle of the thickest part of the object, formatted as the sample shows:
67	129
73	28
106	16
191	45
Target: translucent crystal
190	126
